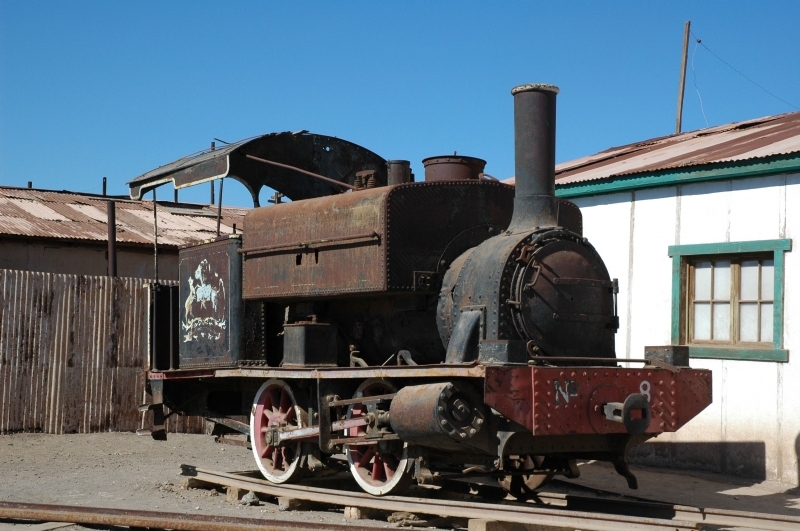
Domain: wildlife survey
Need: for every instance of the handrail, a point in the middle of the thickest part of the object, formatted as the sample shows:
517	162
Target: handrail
306	245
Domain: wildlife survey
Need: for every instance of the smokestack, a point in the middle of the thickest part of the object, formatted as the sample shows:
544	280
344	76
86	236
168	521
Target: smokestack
535	204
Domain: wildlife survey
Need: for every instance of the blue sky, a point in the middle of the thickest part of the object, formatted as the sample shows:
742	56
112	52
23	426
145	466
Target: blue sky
93	89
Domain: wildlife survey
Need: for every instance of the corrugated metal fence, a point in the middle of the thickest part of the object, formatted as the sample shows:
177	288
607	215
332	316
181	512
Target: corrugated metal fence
72	353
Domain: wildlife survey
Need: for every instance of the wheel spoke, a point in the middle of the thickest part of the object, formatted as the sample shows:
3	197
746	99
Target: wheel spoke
286	401
366	457
268	400
275	398
377	468
265	451
276	408
389	465
276	462
285	463
376	472
288	456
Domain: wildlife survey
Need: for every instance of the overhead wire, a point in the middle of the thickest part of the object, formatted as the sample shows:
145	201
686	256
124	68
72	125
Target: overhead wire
700	42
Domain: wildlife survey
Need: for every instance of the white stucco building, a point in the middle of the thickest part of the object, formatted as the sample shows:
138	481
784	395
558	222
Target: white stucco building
699	229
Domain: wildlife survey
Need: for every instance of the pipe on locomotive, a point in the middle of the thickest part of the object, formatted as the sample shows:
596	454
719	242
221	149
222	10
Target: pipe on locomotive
535	204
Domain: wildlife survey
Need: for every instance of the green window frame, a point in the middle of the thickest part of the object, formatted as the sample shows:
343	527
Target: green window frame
682	254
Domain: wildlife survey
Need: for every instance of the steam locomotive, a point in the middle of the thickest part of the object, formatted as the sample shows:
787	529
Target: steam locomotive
429	331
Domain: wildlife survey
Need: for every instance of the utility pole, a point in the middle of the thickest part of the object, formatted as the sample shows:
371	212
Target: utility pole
111	211
219	206
683	76
213	147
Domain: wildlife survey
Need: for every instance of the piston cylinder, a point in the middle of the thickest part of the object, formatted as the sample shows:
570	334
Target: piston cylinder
441	415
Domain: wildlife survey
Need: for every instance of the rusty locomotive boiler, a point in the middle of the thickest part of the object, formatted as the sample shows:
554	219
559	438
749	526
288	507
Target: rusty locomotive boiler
422	331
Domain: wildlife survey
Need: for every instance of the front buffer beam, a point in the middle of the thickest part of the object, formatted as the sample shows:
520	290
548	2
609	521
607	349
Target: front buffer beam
597	400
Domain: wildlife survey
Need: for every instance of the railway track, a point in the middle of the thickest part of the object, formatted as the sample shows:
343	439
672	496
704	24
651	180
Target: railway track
568	511
607	512
95	516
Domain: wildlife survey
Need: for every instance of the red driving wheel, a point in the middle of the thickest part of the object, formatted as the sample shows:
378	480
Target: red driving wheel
274	407
379	468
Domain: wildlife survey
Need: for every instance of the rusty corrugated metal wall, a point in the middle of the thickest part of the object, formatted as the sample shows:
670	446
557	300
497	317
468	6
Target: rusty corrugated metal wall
72	352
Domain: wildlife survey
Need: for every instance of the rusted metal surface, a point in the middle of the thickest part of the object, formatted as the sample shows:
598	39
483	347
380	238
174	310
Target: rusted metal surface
501	302
155	519
441	415
453	167
566	300
367	242
570	400
72	352
300	246
287	269
68	216
509	278
399	172
749	140
535	139
430	224
326	156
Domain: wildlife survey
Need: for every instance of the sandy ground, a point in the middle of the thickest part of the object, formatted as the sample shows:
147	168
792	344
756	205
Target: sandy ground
121	470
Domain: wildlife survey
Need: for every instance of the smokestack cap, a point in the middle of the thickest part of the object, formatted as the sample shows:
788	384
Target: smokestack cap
534	86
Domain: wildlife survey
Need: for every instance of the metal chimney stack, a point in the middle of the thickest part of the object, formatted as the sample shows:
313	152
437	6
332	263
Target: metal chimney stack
535	204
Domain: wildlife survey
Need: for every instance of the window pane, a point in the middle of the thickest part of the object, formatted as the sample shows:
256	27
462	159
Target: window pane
702	280
702	320
749	281
722	281
767	280
748	322
766	322
722	322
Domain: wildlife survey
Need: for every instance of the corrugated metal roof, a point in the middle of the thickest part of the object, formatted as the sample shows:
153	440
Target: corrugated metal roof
74	216
739	141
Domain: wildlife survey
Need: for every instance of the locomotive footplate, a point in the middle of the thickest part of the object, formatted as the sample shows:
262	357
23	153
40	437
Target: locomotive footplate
597	400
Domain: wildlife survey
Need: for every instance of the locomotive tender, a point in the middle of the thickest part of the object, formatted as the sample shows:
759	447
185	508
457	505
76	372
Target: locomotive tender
447	329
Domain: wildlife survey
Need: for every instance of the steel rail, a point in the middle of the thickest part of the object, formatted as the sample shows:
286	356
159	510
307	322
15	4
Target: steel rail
706	516
157	519
675	514
521	513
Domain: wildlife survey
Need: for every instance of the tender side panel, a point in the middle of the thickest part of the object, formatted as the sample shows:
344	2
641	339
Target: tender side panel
325	246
